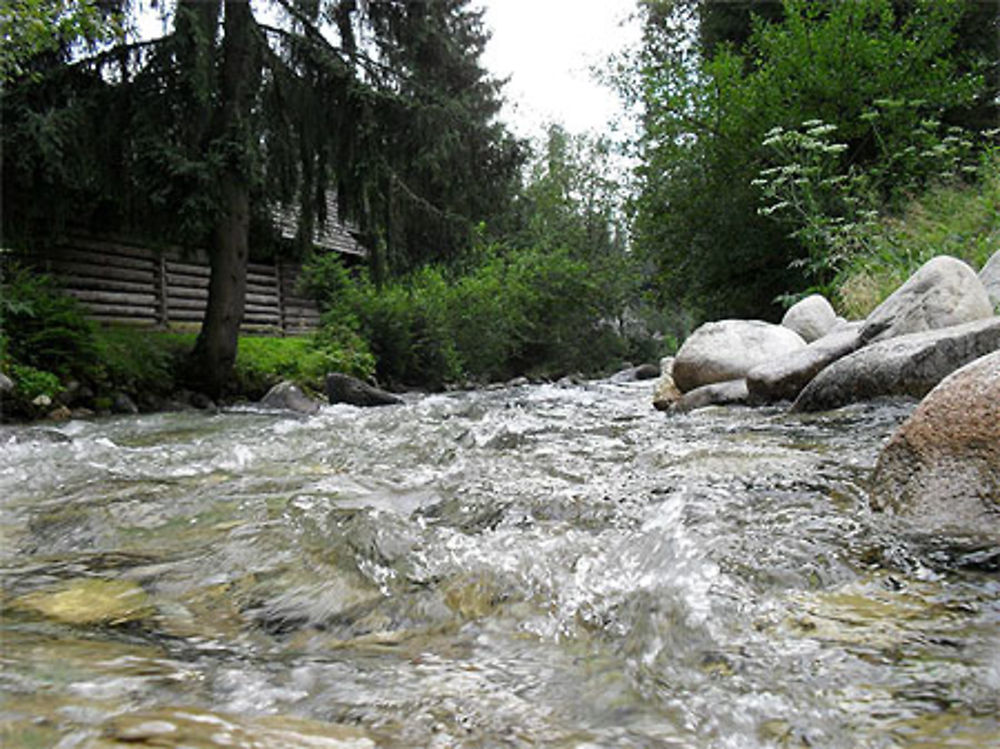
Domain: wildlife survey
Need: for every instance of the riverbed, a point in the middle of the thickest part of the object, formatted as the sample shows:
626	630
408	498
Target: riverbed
536	566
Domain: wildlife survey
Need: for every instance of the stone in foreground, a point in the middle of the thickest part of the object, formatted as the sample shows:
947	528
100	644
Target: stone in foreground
812	317
945	292
341	388
288	397
941	469
729	349
908	365
784	378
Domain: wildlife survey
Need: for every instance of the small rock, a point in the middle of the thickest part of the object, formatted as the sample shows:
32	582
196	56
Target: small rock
732	392
635	374
989	277
42	401
6	384
812	318
517	382
123	404
60	413
666	392
945	292
287	396
906	365
202	402
729	349
341	388
941	469
82	413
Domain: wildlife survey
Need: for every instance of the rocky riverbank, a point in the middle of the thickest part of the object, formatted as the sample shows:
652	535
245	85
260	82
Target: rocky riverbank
937	335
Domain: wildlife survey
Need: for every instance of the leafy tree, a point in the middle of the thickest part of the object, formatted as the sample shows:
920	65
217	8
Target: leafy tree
197	137
707	112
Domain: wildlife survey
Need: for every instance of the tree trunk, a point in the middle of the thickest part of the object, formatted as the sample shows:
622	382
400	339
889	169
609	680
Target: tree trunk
215	350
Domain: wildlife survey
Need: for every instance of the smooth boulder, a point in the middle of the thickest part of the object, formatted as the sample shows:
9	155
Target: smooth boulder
729	393
945	292
287	396
729	349
784	378
341	388
907	365
812	317
941	469
989	277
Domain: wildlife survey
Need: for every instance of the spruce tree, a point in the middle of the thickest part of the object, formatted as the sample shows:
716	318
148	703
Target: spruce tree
198	136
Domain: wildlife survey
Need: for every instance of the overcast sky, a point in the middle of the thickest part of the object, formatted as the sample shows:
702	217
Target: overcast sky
548	47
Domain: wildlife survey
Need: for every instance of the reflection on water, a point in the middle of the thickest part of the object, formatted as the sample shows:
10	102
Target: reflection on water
538	566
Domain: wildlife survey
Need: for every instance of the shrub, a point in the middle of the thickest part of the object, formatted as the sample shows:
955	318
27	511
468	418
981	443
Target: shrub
44	328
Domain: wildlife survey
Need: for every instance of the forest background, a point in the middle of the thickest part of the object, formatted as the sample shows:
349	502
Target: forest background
780	148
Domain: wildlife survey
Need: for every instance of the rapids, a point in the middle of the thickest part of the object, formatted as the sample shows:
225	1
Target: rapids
538	566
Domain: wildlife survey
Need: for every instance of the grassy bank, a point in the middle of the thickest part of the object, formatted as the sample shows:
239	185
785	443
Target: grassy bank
958	219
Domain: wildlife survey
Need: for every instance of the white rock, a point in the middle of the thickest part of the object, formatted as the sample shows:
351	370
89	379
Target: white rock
943	293
812	318
729	349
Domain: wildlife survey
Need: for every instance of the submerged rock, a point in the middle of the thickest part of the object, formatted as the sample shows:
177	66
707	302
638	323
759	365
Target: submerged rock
945	292
341	388
289	397
731	392
89	601
729	349
941	469
784	378
989	277
907	365
812	318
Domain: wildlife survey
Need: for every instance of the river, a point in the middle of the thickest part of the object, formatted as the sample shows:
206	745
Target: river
538	566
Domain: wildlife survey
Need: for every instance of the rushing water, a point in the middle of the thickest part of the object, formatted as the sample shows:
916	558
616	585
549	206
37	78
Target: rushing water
536	566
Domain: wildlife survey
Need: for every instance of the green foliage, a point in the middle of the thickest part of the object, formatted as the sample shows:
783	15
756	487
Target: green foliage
877	71
264	362
139	360
33	28
958	219
30	383
43	327
536	312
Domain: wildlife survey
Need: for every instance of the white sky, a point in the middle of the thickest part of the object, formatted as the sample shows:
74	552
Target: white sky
547	48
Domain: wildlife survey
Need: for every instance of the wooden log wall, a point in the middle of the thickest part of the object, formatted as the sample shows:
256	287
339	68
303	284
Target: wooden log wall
119	282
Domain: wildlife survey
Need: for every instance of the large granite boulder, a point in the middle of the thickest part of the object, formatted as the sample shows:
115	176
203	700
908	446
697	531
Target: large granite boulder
729	349
784	378
287	396
945	292
812	318
728	393
989	277
941	469
341	388
907	365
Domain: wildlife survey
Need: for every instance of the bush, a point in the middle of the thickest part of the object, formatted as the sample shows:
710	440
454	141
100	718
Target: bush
44	328
262	363
542	313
